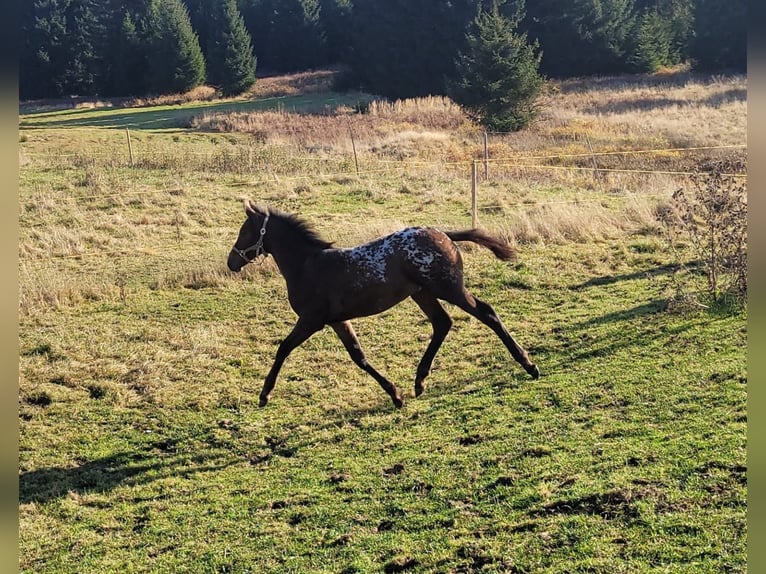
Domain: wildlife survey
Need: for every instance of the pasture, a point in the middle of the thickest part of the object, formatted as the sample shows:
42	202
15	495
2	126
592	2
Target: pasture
142	446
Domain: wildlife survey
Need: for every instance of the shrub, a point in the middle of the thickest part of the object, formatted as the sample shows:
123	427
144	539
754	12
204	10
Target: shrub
711	218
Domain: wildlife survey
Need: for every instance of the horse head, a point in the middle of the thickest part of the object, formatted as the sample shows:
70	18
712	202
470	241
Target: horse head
250	241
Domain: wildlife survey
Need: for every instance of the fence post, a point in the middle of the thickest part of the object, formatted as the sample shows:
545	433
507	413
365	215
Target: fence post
592	158
474	186
130	147
486	157
353	147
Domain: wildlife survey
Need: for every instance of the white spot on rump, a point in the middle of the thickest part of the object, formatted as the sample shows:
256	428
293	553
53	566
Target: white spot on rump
374	257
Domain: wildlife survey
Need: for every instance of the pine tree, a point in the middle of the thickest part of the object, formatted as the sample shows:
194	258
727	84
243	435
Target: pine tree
720	35
287	34
82	49
581	37
335	17
662	33
652	39
498	81
64	42
127	59
230	61
407	48
175	59
42	31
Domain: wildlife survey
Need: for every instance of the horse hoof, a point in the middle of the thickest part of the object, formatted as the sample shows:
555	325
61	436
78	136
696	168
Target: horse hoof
419	390
263	402
398	402
533	371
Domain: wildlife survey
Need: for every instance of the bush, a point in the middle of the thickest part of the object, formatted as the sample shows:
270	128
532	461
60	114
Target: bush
711	218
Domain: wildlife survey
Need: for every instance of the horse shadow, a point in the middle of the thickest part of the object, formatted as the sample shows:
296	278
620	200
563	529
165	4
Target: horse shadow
104	474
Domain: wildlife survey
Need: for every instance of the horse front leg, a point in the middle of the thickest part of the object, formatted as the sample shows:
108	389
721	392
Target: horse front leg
347	335
302	330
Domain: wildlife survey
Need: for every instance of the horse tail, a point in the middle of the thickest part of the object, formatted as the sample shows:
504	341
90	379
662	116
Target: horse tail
500	248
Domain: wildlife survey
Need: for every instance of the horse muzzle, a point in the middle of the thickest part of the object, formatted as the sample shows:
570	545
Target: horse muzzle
235	262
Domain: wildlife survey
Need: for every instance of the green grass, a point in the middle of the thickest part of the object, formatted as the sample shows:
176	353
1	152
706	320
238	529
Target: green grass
142	448
175	116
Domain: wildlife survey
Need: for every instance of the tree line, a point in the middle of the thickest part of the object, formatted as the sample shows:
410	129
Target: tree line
394	48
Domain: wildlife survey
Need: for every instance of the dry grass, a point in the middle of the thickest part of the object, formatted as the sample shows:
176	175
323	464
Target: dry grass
308	82
198	94
581	116
80	204
427	122
679	110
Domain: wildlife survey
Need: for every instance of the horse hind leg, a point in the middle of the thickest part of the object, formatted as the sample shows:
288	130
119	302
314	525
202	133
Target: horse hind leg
487	315
346	334
441	323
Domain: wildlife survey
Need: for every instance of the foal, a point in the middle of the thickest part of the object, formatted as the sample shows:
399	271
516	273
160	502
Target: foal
327	286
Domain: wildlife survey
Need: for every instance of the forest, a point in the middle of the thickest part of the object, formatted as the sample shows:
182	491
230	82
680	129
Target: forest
396	48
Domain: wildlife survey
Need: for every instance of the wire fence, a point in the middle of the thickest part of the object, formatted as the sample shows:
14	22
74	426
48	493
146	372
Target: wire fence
267	166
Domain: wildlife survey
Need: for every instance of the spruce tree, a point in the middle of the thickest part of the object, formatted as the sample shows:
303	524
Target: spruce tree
497	75
720	35
127	60
230	61
662	33
652	39
581	37
407	48
335	17
175	59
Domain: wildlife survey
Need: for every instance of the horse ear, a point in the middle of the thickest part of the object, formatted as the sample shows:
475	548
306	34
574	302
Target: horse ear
249	206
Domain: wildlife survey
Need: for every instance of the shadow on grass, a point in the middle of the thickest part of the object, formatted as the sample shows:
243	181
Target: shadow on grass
610	279
105	474
644	104
650	308
179	116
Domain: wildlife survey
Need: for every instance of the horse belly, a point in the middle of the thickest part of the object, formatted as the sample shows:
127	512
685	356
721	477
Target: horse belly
368	298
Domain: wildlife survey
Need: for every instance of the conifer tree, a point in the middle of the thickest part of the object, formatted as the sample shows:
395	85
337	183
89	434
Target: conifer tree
407	48
230	60
127	59
661	36
175	63
497	75
335	17
581	37
720	35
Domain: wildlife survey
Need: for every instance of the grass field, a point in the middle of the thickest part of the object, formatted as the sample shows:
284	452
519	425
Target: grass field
142	448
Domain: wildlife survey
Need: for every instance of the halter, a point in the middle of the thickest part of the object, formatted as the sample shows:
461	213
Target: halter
258	247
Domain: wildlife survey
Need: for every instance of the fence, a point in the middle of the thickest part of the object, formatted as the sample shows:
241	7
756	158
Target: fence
282	167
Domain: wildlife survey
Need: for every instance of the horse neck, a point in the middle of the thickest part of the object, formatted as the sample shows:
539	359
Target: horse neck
289	251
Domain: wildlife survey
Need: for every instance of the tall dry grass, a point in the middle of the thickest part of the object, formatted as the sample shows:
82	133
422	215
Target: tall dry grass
385	128
677	109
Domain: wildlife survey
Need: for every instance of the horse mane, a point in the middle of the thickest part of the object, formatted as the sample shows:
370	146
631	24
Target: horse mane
301	228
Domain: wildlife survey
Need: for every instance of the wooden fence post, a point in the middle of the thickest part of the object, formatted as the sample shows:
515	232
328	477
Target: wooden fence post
486	157
353	147
474	186
130	147
592	158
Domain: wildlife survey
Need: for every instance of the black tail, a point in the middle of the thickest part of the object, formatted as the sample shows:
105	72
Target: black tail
499	247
